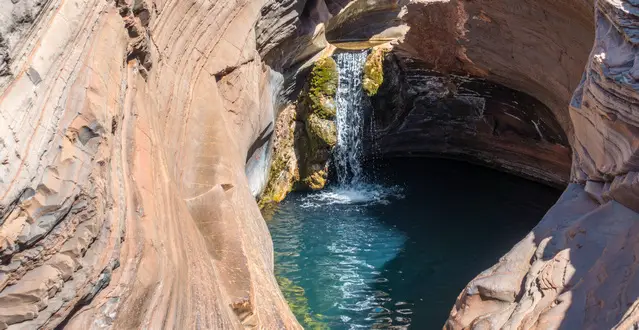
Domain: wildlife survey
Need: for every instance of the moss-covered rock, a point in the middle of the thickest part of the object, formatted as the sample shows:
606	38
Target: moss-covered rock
284	168
374	71
321	132
305	134
298	303
322	88
317	112
316	181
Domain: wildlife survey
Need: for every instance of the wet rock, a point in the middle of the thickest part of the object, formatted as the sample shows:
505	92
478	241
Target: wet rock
374	70
418	111
305	134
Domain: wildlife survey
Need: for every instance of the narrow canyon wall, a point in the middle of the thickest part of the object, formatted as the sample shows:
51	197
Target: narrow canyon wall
577	268
126	126
124	130
484	81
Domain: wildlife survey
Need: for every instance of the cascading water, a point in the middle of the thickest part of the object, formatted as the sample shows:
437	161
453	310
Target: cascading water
348	153
360	255
353	186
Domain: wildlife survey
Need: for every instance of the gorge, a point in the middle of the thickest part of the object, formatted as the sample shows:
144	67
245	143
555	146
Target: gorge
137	138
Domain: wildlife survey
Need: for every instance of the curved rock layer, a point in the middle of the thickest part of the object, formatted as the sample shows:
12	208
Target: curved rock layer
124	131
129	130
577	268
421	112
536	48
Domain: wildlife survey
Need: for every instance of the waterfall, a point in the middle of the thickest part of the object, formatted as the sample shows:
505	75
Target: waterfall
353	187
348	152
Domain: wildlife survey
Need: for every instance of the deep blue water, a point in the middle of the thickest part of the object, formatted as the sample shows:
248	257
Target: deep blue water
397	254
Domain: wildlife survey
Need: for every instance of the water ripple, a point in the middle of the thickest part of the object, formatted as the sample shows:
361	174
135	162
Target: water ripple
344	248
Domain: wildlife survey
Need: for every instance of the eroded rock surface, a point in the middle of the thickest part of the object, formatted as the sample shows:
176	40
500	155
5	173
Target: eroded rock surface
126	127
421	112
124	130
576	269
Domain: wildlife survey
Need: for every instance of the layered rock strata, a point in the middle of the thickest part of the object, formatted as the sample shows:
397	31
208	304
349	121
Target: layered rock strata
420	112
576	269
134	135
467	79
124	130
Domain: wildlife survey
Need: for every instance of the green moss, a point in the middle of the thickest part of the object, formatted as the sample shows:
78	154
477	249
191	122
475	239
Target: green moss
322	88
298	303
273	192
316	109
317	180
282	173
322	133
374	71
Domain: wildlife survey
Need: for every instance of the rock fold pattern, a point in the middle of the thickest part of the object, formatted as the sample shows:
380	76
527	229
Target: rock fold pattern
577	268
134	135
124	131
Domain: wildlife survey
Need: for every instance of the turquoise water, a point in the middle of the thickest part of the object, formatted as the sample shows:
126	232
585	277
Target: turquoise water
396	254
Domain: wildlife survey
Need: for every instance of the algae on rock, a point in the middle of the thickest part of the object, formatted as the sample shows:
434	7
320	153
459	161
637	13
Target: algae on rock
322	87
283	172
305	134
298	303
317	109
374	70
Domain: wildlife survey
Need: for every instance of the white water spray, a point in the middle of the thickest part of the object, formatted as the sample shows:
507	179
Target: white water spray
352	185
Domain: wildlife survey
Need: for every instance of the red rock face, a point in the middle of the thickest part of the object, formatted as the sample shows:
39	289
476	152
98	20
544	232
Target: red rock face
125	127
575	269
124	203
421	112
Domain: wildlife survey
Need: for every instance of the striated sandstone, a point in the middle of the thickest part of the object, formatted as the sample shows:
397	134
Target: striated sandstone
504	84
575	270
124	131
134	135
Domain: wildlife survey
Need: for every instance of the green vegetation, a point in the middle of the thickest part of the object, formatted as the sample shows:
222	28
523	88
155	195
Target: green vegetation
317	180
298	303
374	71
272	193
315	108
283	170
322	88
321	132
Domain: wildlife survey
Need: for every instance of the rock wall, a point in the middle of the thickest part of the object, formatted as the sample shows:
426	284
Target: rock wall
126	127
537	49
124	130
576	269
421	112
